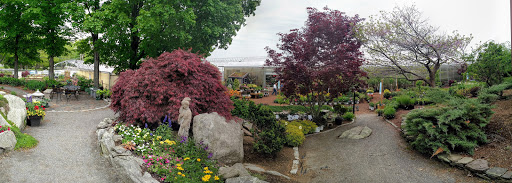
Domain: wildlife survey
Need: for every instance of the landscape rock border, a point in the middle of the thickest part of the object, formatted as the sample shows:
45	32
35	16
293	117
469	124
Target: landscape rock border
125	164
478	167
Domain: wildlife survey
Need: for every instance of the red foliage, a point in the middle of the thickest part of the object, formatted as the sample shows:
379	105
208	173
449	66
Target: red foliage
322	56
25	74
159	85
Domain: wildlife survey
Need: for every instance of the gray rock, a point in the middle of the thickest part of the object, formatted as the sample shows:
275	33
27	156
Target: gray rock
358	132
295	167
247	132
7	140
463	161
107	143
237	170
246	179
247	125
278	174
3	122
224	139
120	151
2	93
102	125
444	158
495	172
479	166
507	175
17	111
128	168
296	153
108	120
454	157
253	167
117	138
100	133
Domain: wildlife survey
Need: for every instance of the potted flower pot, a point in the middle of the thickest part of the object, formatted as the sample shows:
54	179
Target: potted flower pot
34	120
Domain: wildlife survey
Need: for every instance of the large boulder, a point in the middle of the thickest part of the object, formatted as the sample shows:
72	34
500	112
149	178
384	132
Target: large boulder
224	139
7	141
17	111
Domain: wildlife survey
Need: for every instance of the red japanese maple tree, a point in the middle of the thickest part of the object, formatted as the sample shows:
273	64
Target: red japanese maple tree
323	56
156	89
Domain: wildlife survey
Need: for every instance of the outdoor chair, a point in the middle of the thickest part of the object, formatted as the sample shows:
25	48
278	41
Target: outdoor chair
58	92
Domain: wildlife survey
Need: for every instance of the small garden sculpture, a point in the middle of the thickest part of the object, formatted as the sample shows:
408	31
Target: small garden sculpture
185	117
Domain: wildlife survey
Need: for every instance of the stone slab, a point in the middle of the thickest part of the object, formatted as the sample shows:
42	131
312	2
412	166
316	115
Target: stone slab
356	133
507	175
464	161
277	174
444	158
479	165
495	172
454	157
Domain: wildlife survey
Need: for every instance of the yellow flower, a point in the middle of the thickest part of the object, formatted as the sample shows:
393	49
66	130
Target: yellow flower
187	158
179	173
205	168
198	159
179	168
206	178
216	178
178	164
170	142
207	171
183	175
158	137
161	142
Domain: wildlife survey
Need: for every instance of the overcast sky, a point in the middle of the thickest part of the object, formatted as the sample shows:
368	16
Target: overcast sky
484	19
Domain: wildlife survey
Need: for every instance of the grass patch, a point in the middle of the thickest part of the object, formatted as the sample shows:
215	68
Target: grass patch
23	140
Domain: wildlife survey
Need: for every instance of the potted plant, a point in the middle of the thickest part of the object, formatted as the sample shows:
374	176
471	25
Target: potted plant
372	106
35	113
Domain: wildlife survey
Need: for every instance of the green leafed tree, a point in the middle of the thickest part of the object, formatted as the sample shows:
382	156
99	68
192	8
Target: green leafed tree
403	41
84	19
490	62
136	29
18	44
50	19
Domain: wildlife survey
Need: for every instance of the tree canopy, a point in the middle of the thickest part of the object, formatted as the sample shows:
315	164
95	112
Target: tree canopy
403	40
490	62
136	29
323	56
18	41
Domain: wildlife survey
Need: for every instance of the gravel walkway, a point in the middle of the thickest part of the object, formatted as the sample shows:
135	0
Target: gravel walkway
67	151
18	91
381	157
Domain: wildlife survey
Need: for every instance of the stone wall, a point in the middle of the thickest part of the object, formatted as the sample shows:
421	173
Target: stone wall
127	166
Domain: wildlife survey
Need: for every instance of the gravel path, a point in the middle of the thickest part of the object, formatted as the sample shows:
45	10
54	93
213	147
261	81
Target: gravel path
381	157
67	151
18	91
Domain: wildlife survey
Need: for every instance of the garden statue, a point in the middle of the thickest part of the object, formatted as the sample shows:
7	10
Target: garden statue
185	117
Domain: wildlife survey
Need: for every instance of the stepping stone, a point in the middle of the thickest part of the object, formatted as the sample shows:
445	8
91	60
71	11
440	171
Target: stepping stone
444	158
463	161
358	132
495	172
507	175
479	166
454	157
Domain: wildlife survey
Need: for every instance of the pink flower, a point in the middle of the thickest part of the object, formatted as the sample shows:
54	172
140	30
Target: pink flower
145	161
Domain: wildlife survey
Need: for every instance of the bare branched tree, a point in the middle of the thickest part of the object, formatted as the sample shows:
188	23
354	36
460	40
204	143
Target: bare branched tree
403	40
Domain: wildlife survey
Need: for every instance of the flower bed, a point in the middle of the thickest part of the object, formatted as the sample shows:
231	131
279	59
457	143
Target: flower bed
170	158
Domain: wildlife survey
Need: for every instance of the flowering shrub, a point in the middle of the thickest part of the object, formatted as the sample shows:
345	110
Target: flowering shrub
157	88
4	128
25	74
294	135
172	159
233	93
35	108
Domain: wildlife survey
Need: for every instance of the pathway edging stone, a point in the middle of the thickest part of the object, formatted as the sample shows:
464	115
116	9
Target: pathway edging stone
128	166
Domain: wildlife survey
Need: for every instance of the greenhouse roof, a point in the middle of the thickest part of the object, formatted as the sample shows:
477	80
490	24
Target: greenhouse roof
80	65
238	61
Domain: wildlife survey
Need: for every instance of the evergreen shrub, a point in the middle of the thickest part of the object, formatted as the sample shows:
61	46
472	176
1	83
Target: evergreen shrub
389	112
456	126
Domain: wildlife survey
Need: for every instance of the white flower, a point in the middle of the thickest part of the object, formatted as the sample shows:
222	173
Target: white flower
300	127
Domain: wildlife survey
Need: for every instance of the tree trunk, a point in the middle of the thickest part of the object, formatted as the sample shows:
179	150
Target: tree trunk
96	79
16	41
16	64
51	74
135	39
